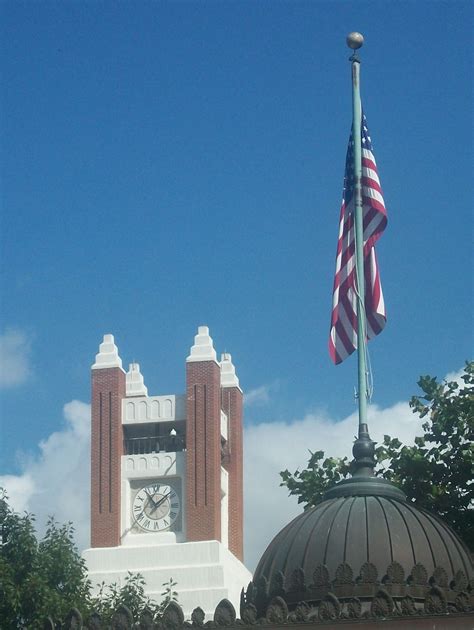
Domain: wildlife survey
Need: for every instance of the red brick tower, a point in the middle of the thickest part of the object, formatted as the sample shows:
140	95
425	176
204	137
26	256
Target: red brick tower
203	439
232	400
166	470
108	390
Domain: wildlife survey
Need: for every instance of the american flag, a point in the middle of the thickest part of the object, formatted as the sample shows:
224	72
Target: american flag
343	334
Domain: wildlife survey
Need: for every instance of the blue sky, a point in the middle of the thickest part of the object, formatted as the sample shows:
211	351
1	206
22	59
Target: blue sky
171	164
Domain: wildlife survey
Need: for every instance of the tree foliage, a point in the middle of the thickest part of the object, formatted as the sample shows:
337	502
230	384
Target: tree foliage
38	578
437	471
48	577
132	595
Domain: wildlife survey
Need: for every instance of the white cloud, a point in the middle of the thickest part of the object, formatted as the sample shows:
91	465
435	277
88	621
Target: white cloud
274	446
456	377
15	350
56	482
260	395
19	489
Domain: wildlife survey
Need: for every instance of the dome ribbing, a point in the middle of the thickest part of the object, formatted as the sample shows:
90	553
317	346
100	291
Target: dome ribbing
364	551
356	530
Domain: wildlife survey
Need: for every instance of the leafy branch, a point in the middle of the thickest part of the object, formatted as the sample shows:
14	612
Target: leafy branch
437	471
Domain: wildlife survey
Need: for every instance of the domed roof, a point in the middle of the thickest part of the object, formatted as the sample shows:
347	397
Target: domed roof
364	551
356	530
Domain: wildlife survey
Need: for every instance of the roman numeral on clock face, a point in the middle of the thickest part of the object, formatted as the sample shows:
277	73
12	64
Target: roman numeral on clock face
155	507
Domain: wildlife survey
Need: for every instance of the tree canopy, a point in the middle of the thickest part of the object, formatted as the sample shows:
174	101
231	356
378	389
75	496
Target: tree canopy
47	577
437	471
38	578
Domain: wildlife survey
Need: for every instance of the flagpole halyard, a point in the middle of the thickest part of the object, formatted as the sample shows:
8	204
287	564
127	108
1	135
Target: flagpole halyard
355	41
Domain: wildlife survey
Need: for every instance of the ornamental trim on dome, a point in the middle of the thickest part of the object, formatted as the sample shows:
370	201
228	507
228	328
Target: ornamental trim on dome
362	595
380	607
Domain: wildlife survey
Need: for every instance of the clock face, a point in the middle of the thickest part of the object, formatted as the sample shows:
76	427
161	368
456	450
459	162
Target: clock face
155	507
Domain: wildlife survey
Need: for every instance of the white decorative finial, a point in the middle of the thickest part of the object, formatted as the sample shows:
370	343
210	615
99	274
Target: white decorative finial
355	40
108	356
134	384
203	349
228	375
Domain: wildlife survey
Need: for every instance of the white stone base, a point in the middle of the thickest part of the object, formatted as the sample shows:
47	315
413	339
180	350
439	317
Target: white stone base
206	572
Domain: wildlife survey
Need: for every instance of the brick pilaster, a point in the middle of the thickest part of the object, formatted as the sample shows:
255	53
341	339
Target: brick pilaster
108	389
232	406
203	454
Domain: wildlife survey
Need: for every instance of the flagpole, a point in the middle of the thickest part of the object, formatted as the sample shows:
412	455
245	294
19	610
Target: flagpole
355	41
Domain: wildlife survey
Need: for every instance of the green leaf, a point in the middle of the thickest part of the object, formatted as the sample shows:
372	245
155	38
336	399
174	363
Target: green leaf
438	478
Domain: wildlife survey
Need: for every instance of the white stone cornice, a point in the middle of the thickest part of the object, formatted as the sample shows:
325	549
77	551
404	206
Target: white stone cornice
228	375
134	383
203	349
108	356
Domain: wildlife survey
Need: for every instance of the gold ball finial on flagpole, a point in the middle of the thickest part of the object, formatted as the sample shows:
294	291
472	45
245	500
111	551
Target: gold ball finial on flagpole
355	40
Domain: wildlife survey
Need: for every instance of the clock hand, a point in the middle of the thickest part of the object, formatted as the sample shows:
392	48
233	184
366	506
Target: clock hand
163	499
160	501
150	497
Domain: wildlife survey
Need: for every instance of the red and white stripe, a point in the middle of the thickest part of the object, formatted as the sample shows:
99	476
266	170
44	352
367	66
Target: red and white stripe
343	333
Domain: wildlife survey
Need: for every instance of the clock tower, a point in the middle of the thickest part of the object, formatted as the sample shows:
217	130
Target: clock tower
166	478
